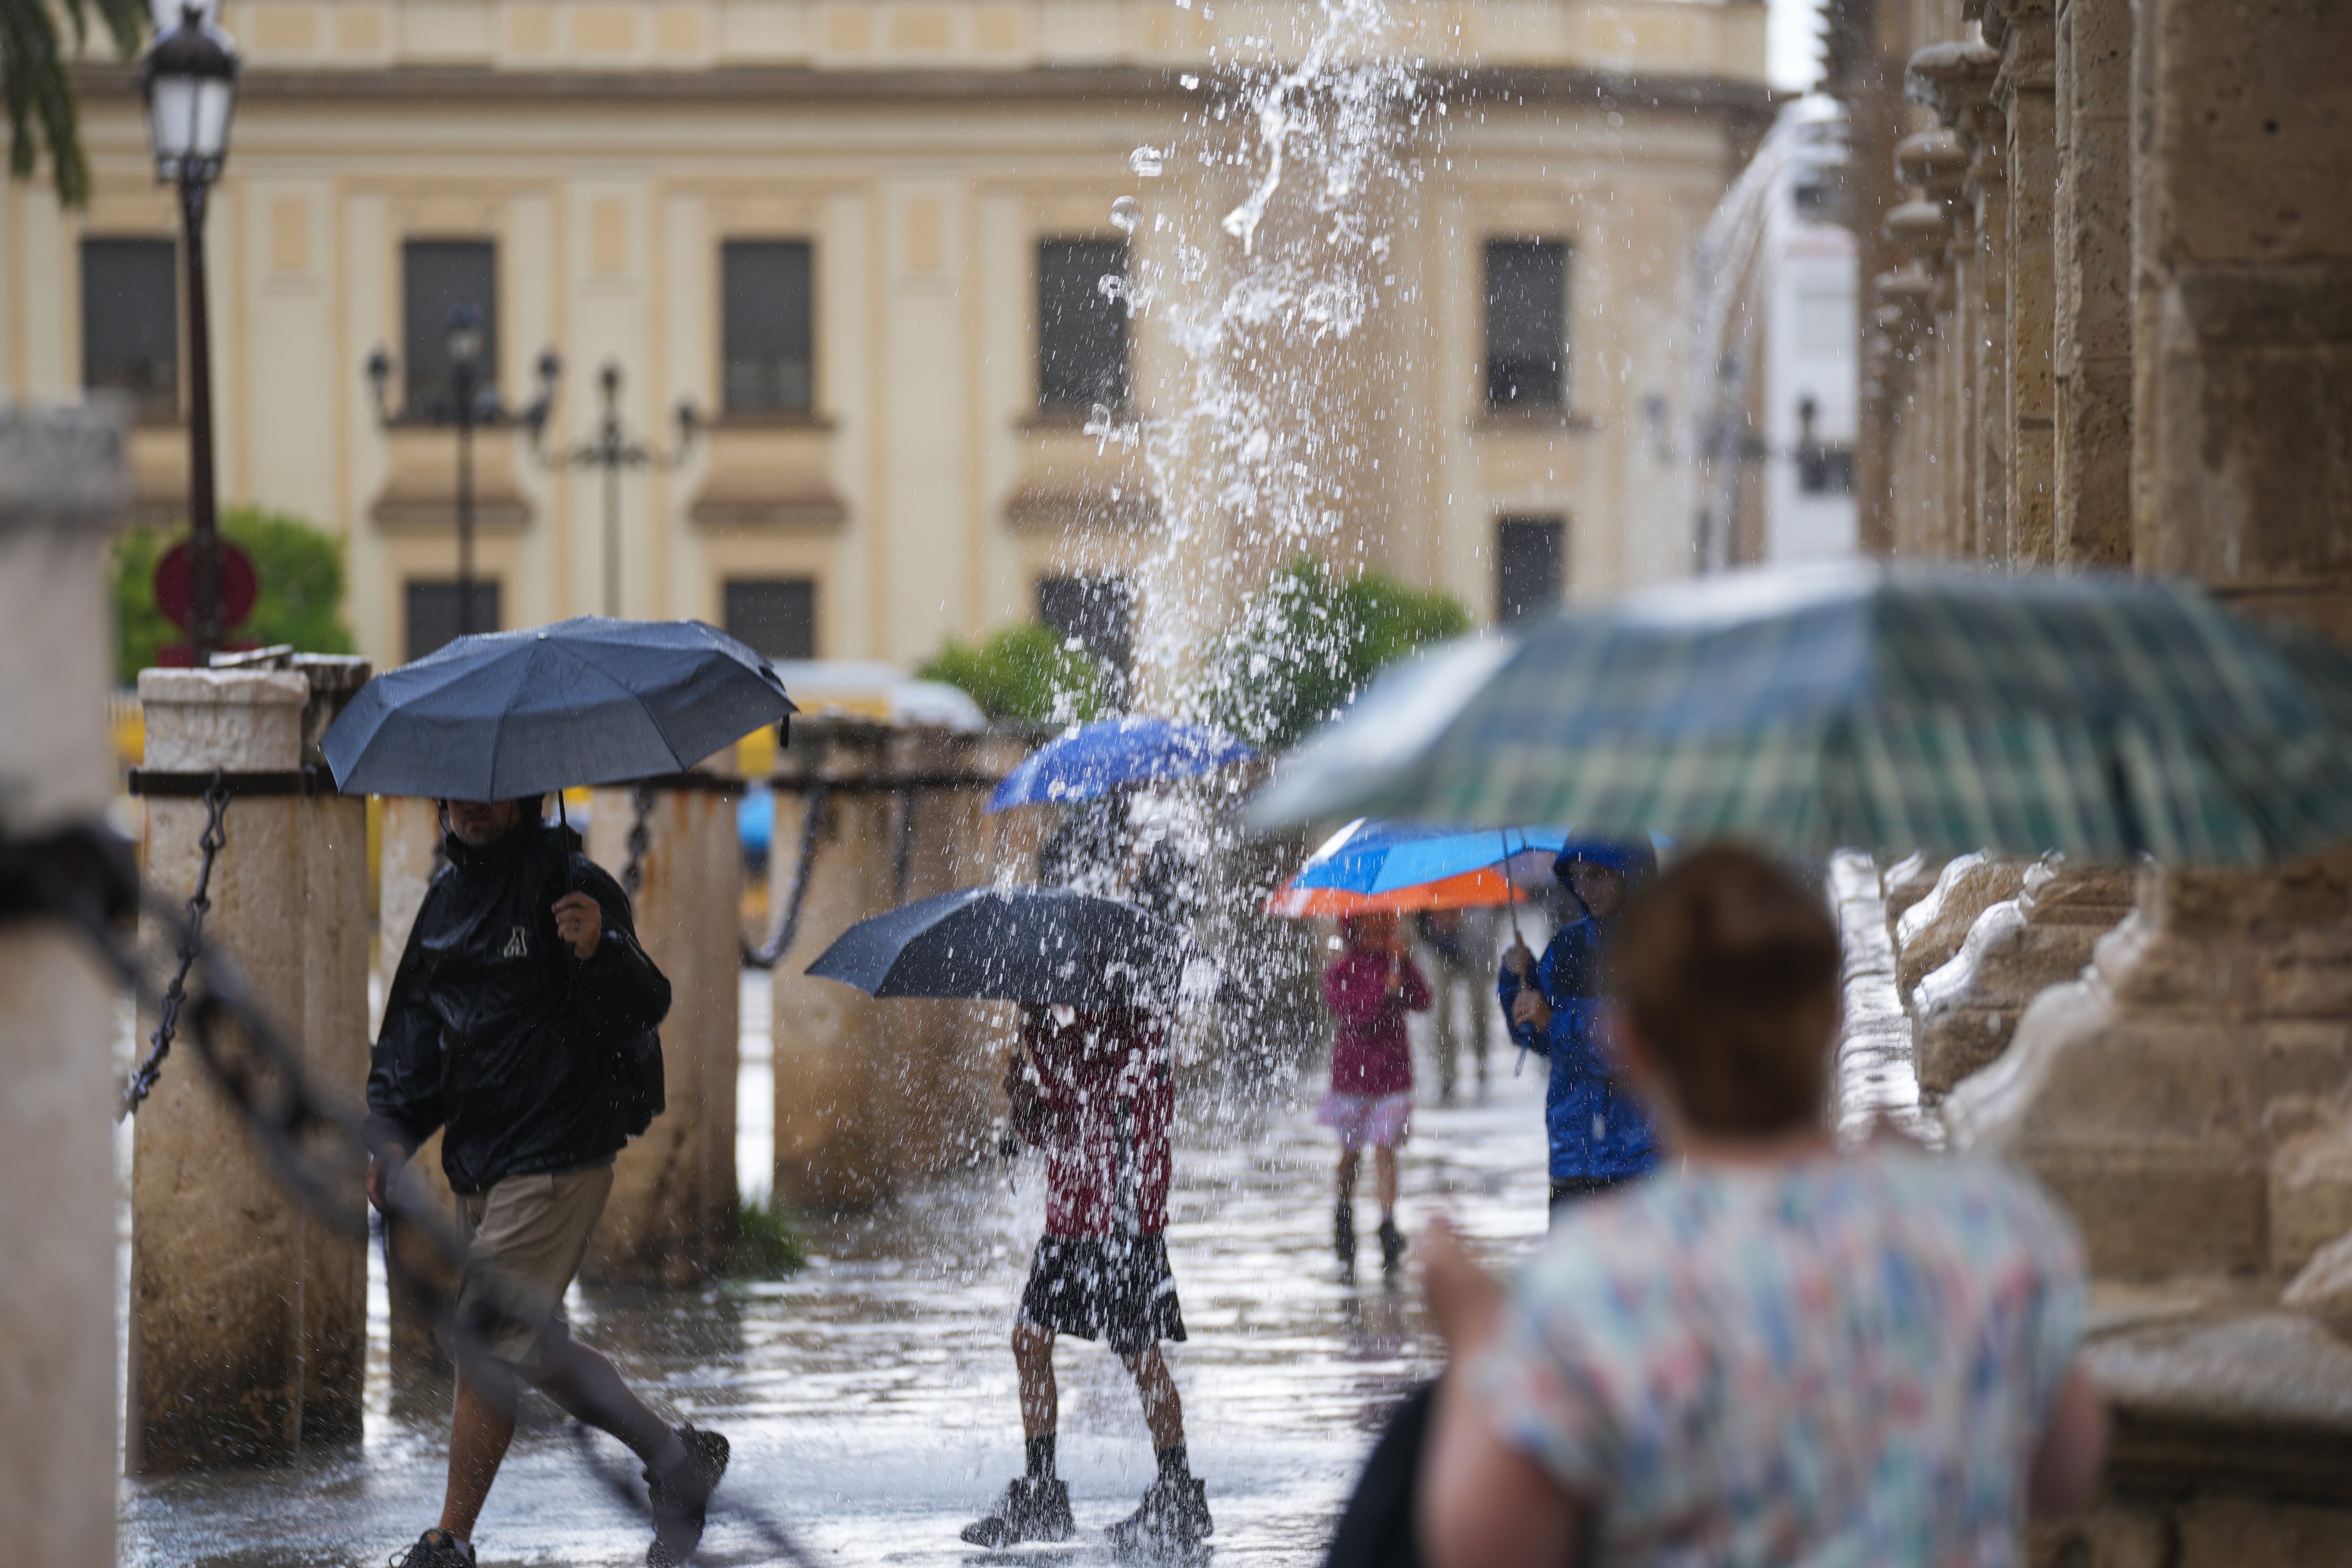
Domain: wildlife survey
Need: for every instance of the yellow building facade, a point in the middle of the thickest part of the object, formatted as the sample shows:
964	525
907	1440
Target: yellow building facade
837	229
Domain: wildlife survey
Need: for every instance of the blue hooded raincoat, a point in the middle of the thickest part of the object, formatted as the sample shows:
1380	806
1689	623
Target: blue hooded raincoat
1597	1131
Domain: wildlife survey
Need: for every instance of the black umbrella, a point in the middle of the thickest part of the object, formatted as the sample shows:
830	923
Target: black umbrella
502	715
1047	945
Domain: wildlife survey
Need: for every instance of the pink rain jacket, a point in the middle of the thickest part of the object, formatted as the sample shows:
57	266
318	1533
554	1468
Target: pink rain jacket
1369	1051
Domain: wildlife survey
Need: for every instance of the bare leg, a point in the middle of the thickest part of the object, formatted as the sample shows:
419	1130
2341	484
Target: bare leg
1164	1412
1349	1160
480	1431
1384	1177
1033	1359
589	1387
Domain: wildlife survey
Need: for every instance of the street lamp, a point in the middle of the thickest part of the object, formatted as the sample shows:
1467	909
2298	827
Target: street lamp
189	82
612	452
469	405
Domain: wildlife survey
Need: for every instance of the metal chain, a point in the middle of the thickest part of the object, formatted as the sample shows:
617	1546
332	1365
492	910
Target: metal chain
214	839
633	874
770	952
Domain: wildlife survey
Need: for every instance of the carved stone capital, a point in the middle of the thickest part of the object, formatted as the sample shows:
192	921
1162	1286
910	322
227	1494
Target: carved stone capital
1952	77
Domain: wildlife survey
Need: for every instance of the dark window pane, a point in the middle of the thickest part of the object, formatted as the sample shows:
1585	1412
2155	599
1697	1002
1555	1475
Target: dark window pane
436	277
1531	566
1825	471
131	322
433	613
1527	323
1092	609
1081	331
764	329
776	616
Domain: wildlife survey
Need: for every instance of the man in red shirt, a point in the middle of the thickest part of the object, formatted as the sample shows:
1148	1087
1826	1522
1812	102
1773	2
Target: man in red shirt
1094	1090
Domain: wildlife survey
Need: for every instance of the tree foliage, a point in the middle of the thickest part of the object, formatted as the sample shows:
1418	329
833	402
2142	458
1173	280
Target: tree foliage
1029	672
37	80
299	575
1310	640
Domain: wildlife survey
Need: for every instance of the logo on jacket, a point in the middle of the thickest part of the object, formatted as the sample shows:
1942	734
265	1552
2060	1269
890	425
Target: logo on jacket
517	945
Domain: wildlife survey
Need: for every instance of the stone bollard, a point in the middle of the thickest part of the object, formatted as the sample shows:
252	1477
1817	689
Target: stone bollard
1932	930
216	1251
63	488
674	1188
834	1145
410	839
1967	1010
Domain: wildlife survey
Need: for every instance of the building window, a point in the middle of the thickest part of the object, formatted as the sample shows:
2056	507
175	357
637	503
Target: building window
1825	471
774	616
436	277
131	323
1527	323
432	612
1081	328
764	331
1094	610
1531	566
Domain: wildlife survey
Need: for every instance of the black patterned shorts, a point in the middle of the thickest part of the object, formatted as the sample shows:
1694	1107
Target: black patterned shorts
1115	1289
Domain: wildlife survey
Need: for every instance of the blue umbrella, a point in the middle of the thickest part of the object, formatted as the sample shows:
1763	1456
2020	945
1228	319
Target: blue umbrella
1376	854
502	715
1095	759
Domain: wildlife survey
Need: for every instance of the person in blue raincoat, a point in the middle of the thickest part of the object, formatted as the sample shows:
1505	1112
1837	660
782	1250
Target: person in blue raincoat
1599	1134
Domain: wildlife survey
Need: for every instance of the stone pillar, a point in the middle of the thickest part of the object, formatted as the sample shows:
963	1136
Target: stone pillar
671	1191
63	487
2091	353
410	839
1967	1009
2025	92
216	1251
833	1144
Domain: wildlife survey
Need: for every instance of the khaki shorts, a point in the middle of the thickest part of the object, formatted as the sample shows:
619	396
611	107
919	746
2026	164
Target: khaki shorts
524	1240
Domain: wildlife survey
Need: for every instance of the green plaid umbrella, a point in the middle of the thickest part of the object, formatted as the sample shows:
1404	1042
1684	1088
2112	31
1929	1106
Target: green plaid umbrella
1887	708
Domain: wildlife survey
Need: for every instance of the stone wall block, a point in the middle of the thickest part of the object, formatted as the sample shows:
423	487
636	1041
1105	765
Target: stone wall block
2311	1194
217	1265
1907	881
2110	1534
1932	930
2221	1531
2323	1289
64	489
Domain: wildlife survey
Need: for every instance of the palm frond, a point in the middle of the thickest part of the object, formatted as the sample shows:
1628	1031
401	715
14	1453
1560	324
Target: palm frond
36	79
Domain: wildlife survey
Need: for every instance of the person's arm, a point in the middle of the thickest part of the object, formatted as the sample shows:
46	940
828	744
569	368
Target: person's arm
1481	1503
1416	988
621	987
1526	1002
403	1086
2074	1449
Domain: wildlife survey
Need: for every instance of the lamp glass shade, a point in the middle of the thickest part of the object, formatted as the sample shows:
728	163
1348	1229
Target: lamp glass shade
191	88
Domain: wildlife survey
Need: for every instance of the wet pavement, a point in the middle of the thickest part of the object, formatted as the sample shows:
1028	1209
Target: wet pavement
870	1398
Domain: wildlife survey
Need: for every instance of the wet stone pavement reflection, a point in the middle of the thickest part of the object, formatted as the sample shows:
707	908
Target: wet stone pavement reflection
870	1398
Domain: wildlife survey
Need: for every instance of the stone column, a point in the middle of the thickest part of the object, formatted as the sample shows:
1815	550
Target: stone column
2025	92
64	486
667	1216
410	839
834	1145
216	1251
2091	355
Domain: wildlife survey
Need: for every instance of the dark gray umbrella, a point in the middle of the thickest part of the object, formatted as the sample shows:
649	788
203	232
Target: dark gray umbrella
1047	945
503	715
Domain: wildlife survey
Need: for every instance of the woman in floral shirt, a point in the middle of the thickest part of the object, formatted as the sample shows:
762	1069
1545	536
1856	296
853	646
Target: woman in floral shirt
1771	1352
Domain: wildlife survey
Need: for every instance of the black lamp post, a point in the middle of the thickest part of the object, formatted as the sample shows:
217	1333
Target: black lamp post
613	452
469	405
189	82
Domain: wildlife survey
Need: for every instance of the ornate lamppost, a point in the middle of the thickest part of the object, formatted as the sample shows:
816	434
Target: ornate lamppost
470	404
610	450
189	81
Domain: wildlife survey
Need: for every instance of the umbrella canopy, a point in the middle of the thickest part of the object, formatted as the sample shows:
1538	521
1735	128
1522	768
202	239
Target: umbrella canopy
1881	708
1095	759
1047	945
1379	862
502	715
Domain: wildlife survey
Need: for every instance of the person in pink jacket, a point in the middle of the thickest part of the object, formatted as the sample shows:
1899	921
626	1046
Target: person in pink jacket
1370	988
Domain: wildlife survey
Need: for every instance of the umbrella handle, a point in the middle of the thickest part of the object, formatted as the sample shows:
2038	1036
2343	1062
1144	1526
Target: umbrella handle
1511	887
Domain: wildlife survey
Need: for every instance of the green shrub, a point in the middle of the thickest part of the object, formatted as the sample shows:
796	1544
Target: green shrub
299	576
1309	641
762	1243
1029	672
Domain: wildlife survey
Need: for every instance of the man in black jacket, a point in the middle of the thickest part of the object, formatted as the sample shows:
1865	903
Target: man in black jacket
521	979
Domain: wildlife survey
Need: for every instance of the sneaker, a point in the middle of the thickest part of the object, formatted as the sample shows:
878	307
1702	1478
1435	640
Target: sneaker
1171	1522
1391	1246
1343	1235
1035	1507
681	1496
437	1549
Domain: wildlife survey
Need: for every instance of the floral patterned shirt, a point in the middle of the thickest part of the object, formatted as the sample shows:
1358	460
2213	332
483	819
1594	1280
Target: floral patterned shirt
1839	1361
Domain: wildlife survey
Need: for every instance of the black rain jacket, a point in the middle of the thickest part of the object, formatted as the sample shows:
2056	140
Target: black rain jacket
495	1032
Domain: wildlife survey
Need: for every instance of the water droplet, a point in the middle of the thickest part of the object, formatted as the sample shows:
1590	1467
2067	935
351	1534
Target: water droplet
1189	82
1124	213
1147	162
